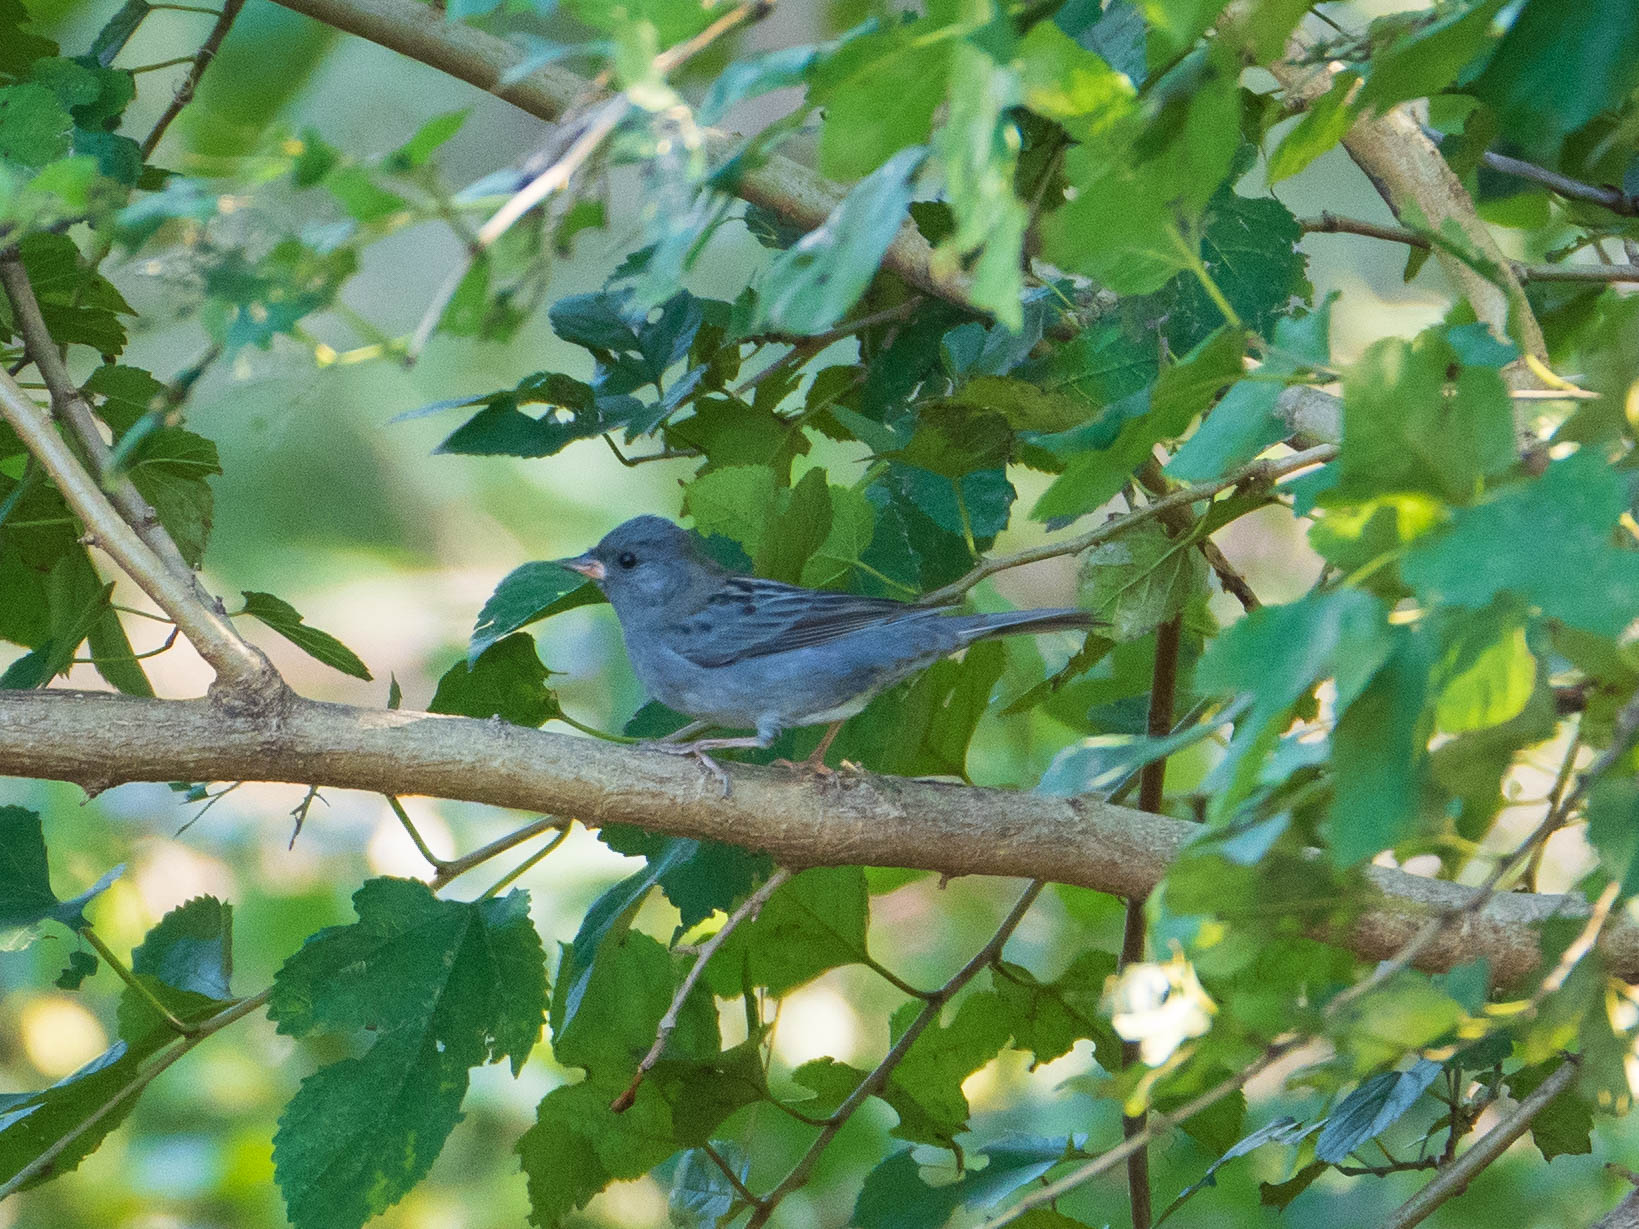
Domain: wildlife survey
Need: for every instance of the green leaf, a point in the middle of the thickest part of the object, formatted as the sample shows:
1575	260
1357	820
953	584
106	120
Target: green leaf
77	1112
1181	392
81	965
814	923
978	147
1584	580
26	898
1063	81
526	594
1048	1018
1536	99
281	616
444	985
1379	757
1371	1109
191	948
879	92
1140	580
1564	1126
1249	246
923	727
809	287
80	306
698	877
418	149
1321	127
184	962
169	468
501	428
925	1089
1430	58
1488	673
1277	653
35	128
507	680
18	47
896	1196
1408	426
1613	830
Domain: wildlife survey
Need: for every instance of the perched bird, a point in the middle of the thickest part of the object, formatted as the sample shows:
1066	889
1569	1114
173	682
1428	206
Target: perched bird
736	651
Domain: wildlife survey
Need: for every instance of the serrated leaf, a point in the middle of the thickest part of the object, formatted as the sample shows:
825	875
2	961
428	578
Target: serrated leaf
1584	580
1379	756
701	878
445	985
1138	581
816	922
281	616
525	595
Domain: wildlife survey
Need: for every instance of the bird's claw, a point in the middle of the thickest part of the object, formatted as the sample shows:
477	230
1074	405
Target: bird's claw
705	761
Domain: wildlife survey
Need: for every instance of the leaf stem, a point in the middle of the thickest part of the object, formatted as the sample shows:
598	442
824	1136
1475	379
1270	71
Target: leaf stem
130	979
506	880
438	864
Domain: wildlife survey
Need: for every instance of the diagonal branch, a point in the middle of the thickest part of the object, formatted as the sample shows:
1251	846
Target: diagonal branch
100	740
1406	168
240	668
799	195
70	407
1454	1179
201	61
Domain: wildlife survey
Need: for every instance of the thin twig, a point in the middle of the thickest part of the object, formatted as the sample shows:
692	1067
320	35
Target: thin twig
878	1078
1266	470
459	866
748	910
438	864
1580	946
201	61
1152	786
239	666
143	1078
512	876
130	979
1614	199
1331	224
1454	1179
1105	1161
73	411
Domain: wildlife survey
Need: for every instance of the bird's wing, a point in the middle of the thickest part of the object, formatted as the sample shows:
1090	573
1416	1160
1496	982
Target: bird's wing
749	617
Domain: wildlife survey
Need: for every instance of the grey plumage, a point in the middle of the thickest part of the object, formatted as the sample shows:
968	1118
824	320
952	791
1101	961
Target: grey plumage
739	651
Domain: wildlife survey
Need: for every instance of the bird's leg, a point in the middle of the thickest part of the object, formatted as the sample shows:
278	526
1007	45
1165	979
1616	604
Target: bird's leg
683	733
814	765
698	748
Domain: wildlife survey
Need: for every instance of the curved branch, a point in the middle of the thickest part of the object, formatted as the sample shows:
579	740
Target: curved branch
798	194
100	740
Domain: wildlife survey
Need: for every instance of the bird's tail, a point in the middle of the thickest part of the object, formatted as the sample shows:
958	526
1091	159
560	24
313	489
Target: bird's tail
1020	622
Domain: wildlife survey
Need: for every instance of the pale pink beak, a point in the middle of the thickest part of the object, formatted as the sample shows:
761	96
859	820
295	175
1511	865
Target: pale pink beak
586	565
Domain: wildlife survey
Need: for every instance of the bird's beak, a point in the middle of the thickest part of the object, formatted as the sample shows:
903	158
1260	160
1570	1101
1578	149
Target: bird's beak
586	565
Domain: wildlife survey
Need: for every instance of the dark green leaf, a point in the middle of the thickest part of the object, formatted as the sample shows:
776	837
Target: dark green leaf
1139	580
528	593
923	728
814	923
895	1195
507	680
281	616
1378	755
701	878
26	898
1564	1126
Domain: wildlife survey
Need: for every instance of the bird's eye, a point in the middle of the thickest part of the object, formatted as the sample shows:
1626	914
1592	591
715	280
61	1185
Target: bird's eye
627	560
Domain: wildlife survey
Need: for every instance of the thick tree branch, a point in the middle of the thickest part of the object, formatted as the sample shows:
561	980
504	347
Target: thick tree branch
779	184
100	740
241	669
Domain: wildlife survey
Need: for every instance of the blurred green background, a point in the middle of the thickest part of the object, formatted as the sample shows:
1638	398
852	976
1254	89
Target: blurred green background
348	516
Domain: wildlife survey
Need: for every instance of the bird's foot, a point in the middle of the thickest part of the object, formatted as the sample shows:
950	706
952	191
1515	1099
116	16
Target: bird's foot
810	769
697	749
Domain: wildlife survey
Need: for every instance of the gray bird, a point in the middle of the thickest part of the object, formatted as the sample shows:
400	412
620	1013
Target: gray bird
736	651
